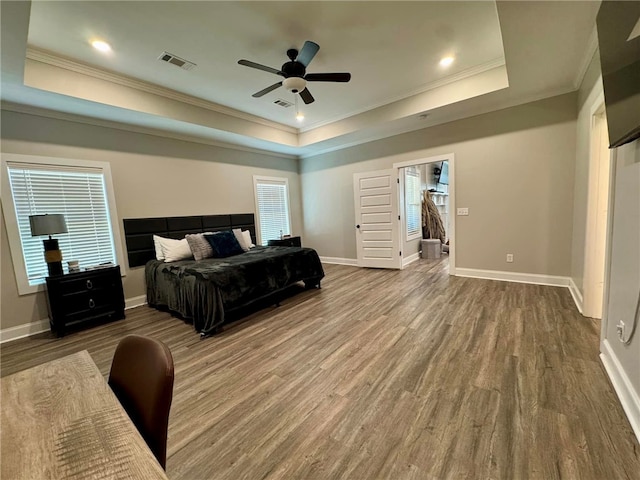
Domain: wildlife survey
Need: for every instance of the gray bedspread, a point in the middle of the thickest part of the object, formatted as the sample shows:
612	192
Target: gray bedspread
202	291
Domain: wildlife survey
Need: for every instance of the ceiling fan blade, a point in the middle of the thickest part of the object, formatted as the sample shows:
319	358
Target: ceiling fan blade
306	96
307	53
327	77
248	63
267	90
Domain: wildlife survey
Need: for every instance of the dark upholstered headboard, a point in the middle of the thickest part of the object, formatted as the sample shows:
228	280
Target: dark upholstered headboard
139	232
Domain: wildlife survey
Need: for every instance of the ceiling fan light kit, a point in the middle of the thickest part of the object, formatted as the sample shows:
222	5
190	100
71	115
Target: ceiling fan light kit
295	73
294	84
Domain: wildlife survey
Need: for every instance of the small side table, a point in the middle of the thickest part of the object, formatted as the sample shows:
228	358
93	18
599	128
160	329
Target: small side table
285	242
76	298
431	248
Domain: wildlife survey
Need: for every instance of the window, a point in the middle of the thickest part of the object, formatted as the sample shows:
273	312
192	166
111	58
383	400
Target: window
78	190
272	206
413	205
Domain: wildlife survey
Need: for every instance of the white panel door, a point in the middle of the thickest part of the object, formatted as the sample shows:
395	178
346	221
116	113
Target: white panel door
377	225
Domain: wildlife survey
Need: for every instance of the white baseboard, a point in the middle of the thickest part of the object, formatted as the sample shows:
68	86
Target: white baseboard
533	278
626	394
135	302
33	328
24	330
410	259
340	261
575	293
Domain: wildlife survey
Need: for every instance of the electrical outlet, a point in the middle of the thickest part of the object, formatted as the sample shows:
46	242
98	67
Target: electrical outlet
509	257
463	211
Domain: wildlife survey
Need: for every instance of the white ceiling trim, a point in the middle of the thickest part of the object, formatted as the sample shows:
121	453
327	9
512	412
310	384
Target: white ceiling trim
50	58
469	72
71	117
67	64
589	52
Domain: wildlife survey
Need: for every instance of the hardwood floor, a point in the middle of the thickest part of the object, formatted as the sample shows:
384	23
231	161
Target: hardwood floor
384	375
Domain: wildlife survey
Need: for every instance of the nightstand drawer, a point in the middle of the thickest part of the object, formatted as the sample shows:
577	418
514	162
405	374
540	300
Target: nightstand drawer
89	313
87	283
87	301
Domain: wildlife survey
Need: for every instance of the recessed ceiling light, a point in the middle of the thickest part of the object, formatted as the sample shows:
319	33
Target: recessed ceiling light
446	61
300	117
100	45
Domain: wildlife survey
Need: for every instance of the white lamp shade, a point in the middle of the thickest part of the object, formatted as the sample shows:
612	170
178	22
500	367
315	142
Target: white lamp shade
47	224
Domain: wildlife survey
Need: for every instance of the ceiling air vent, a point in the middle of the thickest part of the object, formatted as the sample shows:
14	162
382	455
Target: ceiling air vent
177	61
283	103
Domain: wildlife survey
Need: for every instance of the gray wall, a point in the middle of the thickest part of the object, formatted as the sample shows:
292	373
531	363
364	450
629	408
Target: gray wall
590	90
624	280
152	176
514	170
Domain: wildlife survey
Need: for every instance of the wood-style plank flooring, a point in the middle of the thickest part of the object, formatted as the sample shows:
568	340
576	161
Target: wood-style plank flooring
384	375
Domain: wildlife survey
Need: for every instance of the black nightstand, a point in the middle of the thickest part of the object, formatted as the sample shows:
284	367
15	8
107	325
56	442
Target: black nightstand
80	297
285	242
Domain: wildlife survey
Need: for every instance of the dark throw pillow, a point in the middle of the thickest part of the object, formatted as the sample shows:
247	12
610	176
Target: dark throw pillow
224	244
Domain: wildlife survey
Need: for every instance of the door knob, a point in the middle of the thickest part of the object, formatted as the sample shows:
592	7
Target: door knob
357	226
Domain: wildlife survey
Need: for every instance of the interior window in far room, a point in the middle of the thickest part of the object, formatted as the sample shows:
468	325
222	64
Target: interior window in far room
272	208
413	207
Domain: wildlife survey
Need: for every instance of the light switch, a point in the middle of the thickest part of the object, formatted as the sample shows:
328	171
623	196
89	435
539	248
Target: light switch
463	211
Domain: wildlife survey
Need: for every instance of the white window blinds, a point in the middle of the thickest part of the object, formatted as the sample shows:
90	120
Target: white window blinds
77	193
413	207
272	201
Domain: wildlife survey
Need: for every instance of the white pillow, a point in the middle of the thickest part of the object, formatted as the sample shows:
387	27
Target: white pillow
157	243
241	239
174	250
247	238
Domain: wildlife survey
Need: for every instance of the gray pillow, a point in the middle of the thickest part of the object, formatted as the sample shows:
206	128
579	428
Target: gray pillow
199	246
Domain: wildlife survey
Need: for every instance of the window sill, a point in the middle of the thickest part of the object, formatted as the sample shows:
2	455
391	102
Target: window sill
30	289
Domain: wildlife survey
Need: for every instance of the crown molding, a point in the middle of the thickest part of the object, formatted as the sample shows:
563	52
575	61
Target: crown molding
55	60
469	72
431	123
50	58
71	117
587	56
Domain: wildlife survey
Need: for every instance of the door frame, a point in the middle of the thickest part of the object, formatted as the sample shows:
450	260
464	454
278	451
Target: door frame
419	158
589	281
613	158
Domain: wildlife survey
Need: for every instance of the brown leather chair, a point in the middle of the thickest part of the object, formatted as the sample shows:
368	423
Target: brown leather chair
142	378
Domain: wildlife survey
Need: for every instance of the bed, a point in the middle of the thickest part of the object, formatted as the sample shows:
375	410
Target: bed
205	292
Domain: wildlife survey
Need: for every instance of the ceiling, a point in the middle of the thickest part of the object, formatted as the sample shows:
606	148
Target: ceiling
505	53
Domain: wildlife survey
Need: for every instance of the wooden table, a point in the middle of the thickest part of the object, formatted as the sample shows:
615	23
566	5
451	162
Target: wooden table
61	420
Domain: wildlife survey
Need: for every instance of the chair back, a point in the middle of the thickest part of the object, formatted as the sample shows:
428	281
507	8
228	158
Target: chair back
142	378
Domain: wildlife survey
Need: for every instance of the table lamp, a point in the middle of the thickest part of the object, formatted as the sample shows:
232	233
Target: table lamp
49	225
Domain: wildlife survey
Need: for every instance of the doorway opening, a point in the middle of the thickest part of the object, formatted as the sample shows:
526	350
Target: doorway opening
426	205
388	228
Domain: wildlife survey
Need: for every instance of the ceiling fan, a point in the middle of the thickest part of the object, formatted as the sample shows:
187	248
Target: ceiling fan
295	72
